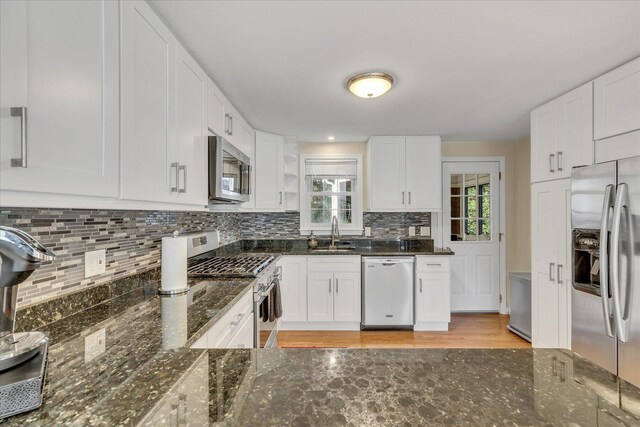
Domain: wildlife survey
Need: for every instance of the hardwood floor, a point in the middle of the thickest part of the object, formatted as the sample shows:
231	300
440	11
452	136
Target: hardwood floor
465	331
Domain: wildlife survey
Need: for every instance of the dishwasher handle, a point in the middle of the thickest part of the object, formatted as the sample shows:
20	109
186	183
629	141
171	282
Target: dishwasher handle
387	261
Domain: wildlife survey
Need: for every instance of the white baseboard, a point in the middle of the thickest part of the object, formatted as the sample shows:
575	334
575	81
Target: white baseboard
319	326
431	326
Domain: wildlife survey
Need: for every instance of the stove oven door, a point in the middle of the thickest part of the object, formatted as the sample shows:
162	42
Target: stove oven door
266	330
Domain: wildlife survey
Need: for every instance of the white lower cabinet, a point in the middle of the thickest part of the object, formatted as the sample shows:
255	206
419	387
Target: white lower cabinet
187	403
235	329
321	292
433	294
293	288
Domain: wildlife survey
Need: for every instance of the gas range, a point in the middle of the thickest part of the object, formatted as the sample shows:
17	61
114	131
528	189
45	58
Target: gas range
242	265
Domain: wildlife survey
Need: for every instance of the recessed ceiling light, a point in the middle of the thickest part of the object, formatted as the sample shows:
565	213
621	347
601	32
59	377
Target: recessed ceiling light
331	138
370	85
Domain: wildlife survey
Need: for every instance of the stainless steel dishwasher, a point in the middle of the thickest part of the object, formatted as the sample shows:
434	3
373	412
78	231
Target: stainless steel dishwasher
387	292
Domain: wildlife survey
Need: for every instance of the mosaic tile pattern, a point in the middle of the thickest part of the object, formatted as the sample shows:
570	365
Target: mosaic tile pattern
132	239
390	225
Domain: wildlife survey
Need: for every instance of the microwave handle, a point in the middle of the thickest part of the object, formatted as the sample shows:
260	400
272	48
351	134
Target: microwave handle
246	175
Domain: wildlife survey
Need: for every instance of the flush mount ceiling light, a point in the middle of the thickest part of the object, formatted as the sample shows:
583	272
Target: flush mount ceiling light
370	85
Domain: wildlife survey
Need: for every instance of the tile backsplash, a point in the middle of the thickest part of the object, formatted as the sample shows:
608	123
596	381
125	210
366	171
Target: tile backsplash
132	239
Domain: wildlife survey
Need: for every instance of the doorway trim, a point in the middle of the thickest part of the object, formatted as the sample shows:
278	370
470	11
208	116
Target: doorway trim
503	220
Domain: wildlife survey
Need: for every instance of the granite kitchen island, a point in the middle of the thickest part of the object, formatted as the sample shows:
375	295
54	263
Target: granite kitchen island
148	375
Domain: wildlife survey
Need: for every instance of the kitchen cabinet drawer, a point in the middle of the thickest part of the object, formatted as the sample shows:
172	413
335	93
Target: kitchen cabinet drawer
222	332
333	263
432	264
243	337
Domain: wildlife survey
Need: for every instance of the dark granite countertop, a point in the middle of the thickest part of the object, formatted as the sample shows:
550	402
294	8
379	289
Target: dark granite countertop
149	376
359	246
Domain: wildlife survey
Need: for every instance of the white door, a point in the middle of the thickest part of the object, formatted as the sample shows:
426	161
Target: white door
148	105
60	61
346	305
423	173
471	227
320	297
387	173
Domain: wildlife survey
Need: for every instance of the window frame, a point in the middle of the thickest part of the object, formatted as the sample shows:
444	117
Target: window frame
357	200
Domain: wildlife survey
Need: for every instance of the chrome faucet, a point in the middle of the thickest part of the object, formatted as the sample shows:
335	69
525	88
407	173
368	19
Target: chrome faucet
334	231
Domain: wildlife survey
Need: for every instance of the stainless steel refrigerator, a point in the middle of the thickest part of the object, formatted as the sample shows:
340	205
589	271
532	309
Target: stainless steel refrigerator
605	299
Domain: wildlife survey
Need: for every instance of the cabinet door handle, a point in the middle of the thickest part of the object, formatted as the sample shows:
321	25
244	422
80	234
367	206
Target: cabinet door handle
329	285
554	366
403	197
409	197
559	276
420	285
230	124
182	410
22	113
226	123
337	287
559	161
280	192
562	372
237	321
183	168
176	166
434	265
551	268
552	163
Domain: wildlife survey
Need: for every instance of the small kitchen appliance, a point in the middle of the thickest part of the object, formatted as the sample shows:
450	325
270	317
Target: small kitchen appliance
229	172
23	355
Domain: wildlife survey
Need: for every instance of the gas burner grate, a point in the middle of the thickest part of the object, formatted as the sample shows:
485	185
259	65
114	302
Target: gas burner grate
229	266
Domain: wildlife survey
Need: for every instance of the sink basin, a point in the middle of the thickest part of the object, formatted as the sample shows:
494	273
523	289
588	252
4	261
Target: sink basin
332	250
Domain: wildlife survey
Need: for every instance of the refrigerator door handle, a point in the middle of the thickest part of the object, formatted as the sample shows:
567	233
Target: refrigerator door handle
604	257
622	202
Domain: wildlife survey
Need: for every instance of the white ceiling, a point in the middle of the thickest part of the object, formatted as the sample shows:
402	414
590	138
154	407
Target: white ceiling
464	70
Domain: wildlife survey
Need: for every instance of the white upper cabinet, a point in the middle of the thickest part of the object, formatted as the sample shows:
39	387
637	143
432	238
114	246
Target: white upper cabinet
561	135
575	130
269	172
191	130
149	170
215	112
423	173
404	173
617	101
387	183
59	71
247	146
164	113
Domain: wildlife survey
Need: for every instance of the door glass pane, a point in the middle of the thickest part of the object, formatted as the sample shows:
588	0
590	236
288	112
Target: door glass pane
456	207
470	184
456	184
484	183
471	207
484	203
456	230
484	229
470	228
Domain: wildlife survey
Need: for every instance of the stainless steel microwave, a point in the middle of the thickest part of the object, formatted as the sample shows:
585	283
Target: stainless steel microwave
229	172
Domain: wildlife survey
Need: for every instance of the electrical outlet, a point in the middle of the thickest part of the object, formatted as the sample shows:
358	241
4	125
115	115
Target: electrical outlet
94	345
367	231
425	231
412	231
95	263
